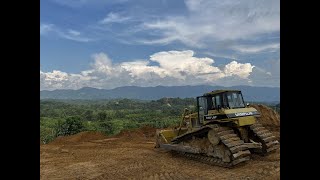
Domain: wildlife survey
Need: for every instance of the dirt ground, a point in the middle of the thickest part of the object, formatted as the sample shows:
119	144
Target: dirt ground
131	155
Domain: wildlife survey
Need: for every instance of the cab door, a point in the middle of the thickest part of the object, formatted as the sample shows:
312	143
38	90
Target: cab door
202	109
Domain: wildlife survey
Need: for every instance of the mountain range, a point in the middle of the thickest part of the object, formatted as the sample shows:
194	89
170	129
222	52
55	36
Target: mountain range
250	93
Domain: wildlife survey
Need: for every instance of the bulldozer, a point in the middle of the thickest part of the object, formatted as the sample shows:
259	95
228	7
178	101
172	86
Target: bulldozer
222	131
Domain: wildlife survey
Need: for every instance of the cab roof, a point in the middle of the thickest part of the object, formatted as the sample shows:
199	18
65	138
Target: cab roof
219	92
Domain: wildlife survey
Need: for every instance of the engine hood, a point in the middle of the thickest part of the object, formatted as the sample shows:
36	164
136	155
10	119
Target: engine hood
233	113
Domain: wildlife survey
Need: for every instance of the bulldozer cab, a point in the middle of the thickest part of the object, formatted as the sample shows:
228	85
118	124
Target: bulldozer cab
216	101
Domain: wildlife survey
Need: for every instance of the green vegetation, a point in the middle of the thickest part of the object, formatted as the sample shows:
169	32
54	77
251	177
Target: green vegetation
67	117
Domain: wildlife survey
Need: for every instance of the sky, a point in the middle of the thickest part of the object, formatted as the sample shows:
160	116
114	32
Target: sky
106	44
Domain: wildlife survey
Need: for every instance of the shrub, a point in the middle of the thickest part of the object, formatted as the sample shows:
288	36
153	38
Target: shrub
72	125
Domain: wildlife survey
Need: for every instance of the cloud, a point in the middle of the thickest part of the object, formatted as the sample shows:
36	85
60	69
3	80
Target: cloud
71	3
62	80
166	68
73	36
70	34
45	28
203	24
114	18
269	75
221	55
241	70
257	48
73	32
83	3
209	21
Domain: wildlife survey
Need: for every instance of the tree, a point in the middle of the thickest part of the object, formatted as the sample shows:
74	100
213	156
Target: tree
102	116
106	127
88	115
72	125
119	114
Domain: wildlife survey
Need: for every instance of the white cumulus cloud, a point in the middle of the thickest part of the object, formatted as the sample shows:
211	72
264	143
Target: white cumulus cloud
241	70
166	68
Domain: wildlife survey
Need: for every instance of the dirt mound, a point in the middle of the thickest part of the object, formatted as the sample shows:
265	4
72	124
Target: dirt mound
143	132
80	137
269	117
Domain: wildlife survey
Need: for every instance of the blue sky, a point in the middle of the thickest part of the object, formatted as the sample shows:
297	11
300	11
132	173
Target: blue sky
107	44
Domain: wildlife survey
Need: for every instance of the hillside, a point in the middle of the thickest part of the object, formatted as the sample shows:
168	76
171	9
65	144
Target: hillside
257	94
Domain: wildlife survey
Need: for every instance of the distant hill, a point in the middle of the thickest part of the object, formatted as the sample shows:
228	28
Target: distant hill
250	93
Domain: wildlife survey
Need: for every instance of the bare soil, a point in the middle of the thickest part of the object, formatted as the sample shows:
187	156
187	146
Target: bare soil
131	155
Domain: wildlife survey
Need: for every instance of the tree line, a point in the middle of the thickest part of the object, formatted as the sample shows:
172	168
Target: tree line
67	117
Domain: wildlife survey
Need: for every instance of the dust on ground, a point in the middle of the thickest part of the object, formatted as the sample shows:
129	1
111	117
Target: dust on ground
131	155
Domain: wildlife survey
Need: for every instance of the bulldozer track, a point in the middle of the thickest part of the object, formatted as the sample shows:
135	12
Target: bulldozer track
239	151
212	160
268	140
168	175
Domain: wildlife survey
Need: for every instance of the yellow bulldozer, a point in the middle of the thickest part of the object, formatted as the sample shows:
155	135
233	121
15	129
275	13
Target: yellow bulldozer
224	131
